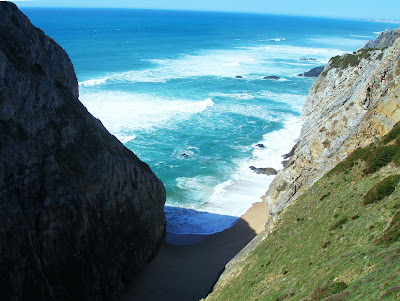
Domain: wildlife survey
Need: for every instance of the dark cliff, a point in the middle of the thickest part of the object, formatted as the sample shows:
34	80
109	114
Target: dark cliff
79	213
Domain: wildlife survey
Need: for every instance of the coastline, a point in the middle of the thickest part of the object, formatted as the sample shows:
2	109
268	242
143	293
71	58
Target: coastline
188	271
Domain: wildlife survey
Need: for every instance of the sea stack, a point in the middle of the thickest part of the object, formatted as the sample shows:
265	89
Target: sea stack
80	213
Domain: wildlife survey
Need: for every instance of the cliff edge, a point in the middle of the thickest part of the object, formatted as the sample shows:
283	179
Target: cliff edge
351	104
79	212
384	39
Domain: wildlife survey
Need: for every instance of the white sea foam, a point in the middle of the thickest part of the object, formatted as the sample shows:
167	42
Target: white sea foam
233	197
126	138
244	96
361	36
243	61
275	40
93	82
123	112
295	100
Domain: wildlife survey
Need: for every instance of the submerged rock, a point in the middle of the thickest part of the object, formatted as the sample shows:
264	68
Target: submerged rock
314	72
79	212
274	77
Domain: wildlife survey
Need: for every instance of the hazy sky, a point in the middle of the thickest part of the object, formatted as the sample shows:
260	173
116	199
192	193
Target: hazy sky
362	9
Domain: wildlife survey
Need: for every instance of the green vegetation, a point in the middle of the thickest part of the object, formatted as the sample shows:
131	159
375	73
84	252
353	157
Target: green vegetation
348	60
375	156
339	224
392	233
360	154
380	157
328	244
328	290
382	189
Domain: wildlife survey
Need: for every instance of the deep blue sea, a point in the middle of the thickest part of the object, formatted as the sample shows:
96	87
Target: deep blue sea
165	83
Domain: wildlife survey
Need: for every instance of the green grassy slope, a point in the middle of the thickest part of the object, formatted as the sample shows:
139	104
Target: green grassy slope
339	241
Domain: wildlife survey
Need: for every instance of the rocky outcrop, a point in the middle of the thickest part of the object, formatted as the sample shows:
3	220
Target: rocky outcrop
352	103
273	77
383	40
269	171
79	212
314	72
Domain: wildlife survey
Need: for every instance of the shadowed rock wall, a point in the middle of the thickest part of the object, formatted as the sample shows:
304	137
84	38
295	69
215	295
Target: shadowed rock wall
79	213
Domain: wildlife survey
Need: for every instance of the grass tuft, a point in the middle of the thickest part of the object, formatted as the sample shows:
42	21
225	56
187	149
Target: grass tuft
392	232
328	290
339	224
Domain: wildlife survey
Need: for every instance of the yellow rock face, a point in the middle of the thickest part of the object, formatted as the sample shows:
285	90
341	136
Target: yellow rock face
380	128
390	109
316	149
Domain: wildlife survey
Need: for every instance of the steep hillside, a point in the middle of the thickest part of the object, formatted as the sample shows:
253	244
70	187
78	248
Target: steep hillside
79	212
340	240
339	234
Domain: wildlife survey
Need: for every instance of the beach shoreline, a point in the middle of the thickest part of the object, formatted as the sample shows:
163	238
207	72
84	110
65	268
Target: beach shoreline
188	270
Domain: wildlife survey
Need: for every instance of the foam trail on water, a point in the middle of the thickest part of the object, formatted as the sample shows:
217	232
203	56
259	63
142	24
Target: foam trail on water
121	112
230	199
93	82
275	40
295	100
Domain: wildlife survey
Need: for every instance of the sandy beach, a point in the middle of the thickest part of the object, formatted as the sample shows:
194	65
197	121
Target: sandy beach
187	272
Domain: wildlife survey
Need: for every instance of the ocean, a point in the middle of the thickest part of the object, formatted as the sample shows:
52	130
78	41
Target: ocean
185	91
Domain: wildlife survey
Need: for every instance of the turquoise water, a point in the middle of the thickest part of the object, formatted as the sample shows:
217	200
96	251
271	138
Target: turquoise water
165	83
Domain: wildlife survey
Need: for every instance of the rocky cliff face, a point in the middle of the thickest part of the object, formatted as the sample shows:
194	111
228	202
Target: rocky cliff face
354	101
79	212
383	40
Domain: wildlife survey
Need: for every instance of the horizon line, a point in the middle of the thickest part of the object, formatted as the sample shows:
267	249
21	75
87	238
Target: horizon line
374	20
